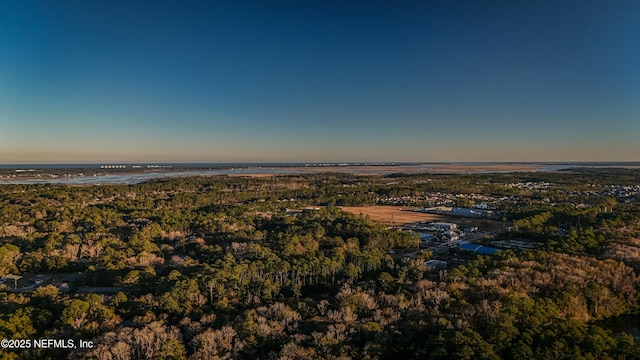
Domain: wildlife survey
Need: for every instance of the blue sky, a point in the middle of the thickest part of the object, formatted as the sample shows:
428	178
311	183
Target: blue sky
200	81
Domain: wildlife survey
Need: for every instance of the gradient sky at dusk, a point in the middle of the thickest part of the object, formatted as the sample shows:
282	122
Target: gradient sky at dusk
264	81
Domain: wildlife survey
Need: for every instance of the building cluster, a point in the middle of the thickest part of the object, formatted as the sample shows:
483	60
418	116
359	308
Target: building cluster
28	283
484	206
621	191
65	282
437	232
441	199
462	212
440	238
530	185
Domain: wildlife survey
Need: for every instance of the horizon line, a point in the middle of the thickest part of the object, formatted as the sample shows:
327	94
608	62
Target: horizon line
132	163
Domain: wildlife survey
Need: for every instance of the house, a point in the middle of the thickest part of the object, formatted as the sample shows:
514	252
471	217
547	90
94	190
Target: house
479	249
42	279
101	290
451	236
444	226
427	237
436	264
10	279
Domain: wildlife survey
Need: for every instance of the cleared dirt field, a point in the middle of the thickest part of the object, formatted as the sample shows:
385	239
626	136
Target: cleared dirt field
393	215
396	215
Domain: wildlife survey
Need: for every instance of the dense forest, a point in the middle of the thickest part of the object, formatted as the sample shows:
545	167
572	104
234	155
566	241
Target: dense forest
227	267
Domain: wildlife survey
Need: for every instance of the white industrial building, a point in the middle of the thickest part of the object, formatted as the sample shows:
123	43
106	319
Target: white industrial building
444	226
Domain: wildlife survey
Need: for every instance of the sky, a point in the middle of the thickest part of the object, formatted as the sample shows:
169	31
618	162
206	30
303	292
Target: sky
319	81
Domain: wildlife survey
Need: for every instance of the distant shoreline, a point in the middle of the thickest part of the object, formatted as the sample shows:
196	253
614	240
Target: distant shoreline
156	166
128	174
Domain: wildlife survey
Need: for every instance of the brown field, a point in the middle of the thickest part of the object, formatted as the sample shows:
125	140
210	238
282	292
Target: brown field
255	175
395	169
410	169
393	215
10	175
396	215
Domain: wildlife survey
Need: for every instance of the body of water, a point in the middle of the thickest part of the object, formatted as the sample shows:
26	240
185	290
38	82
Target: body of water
134	178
